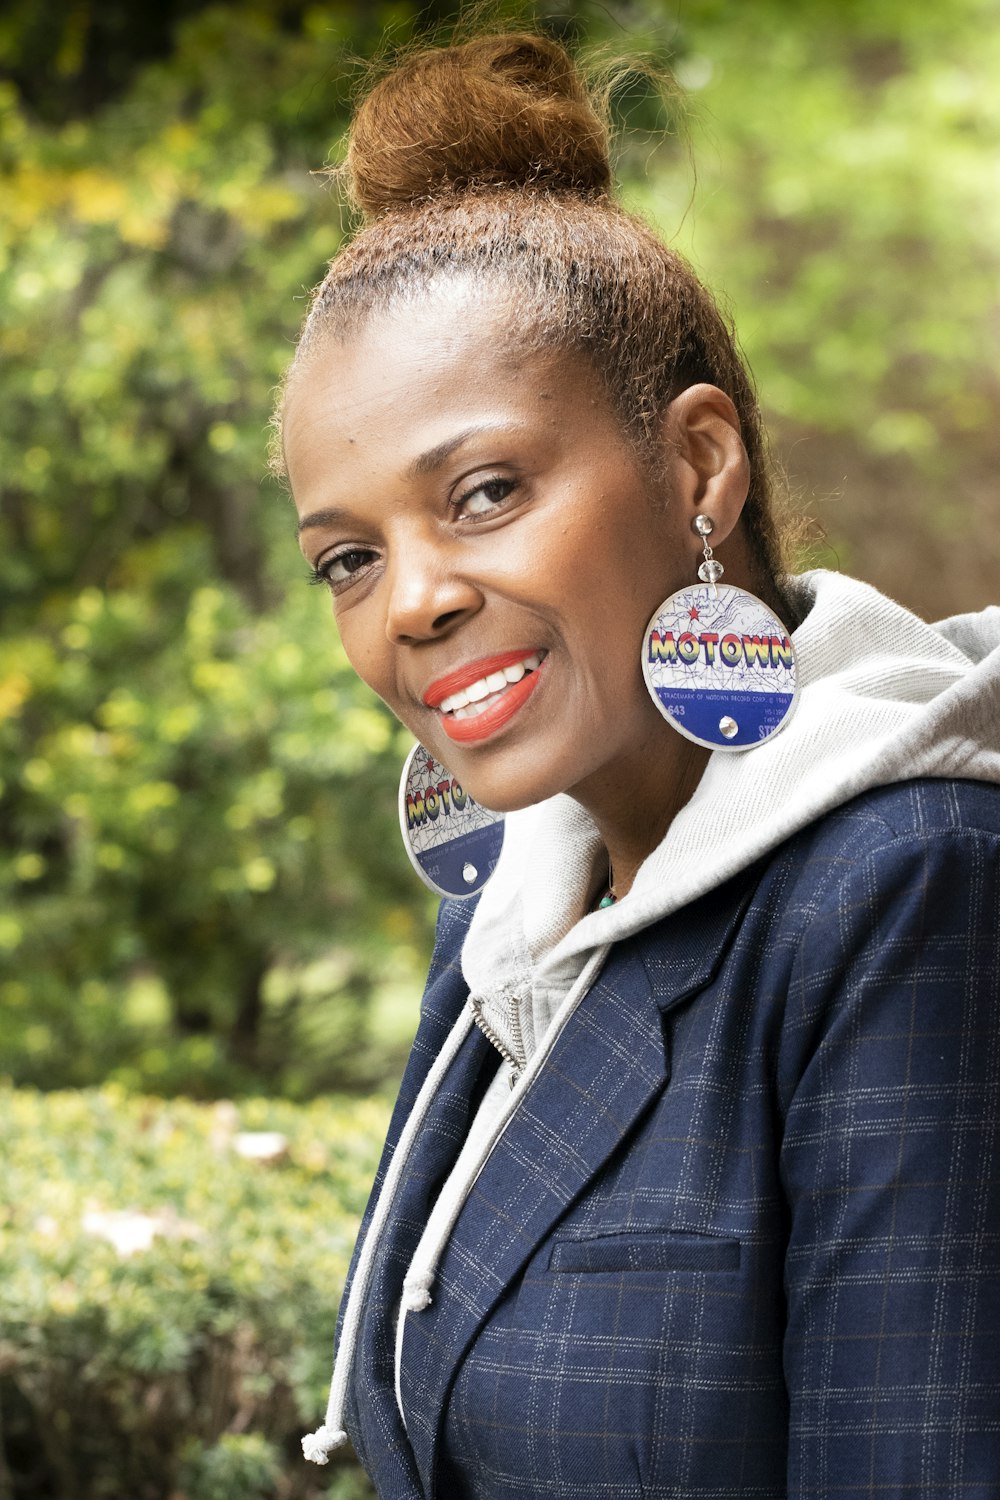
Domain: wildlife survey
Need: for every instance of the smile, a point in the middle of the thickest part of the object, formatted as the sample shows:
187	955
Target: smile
470	702
473	710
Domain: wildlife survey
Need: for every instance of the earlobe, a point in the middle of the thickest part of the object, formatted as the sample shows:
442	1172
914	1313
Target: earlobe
706	458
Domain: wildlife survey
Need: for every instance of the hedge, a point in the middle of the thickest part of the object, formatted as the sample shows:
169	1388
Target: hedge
169	1276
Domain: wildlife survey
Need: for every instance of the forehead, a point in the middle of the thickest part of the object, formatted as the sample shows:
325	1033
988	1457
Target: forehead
415	373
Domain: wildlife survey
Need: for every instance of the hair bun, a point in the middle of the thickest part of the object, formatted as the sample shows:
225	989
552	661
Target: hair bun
499	111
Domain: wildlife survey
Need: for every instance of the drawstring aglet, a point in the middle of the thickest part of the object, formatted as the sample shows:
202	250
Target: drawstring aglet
417	1291
318	1445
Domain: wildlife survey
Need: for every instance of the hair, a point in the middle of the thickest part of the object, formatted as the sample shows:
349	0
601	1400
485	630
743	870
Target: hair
490	160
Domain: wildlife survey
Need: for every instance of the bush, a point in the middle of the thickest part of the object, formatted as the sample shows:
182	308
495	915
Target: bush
166	1302
202	887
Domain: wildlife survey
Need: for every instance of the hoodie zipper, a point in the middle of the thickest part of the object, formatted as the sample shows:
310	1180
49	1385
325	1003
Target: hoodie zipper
515	1063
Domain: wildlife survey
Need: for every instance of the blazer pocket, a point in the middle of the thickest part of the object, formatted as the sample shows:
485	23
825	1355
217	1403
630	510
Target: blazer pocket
650	1250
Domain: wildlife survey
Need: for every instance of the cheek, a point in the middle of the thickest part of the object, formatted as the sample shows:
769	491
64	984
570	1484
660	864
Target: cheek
367	650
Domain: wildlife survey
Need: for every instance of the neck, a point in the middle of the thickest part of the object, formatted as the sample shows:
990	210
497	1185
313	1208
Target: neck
634	807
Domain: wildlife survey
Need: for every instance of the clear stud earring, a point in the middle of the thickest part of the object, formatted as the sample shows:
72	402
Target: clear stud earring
453	842
718	664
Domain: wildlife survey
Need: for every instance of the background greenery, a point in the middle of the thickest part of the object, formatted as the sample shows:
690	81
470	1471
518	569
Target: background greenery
201	889
166	1302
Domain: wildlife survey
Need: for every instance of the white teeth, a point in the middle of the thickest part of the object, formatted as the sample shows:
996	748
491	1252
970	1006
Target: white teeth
457	700
469	701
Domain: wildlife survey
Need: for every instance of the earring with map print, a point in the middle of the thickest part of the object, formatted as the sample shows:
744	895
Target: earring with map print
718	664
452	841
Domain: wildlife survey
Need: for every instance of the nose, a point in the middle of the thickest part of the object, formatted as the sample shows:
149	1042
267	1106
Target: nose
427	594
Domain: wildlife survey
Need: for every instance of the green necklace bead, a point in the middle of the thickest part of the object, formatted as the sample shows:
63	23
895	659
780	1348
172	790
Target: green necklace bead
607	900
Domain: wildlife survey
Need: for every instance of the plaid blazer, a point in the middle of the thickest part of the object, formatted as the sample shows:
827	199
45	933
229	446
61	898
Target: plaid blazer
742	1236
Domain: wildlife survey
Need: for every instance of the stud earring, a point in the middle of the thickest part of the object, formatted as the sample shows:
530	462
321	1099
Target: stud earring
452	841
718	664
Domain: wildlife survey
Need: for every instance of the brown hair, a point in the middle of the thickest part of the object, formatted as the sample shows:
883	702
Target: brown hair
490	159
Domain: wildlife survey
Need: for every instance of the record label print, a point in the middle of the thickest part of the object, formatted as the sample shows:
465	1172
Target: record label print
720	666
453	842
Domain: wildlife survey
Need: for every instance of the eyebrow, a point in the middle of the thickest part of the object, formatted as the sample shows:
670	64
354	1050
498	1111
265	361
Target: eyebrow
426	463
435	457
327	517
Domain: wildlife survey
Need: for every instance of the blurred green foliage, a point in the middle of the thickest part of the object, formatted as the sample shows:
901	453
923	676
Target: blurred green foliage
166	1302
200	882
201	886
846	208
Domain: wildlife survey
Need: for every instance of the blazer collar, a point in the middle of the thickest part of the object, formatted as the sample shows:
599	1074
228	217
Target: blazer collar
691	943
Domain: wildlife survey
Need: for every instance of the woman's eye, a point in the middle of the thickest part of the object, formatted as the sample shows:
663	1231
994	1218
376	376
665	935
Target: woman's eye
486	497
343	566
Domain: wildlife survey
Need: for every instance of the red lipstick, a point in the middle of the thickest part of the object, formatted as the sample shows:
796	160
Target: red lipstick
463	677
513	698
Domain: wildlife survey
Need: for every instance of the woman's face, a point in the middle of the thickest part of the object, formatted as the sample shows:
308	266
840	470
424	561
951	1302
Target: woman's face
492	545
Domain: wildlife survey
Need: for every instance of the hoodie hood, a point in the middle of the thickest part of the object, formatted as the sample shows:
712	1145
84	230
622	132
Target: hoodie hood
883	697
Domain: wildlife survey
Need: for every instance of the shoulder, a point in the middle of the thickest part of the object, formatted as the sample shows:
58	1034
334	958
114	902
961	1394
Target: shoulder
892	980
889	913
888	835
825	885
869	853
929	848
927	808
893	894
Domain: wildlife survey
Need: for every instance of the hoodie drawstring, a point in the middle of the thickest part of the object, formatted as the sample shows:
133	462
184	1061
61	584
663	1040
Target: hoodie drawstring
319	1444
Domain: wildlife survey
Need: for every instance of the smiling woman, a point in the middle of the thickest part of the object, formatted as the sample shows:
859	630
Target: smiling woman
688	1189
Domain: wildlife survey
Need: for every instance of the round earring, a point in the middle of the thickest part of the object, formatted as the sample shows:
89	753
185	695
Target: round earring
718	664
453	842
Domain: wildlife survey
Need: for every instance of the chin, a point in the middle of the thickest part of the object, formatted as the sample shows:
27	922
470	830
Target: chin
510	793
505	802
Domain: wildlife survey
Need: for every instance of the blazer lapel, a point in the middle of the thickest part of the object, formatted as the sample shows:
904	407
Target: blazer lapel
373	1421
445	994
372	1417
605	1069
689	946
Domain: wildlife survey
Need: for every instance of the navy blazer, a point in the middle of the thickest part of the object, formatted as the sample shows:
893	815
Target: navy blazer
742	1236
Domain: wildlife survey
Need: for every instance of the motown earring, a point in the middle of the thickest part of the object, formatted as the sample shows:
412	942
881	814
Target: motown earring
719	666
452	841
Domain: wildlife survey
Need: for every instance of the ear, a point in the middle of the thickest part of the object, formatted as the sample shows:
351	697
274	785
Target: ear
705	462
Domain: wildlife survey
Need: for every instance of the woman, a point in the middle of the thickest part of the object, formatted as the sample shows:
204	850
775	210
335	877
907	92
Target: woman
693	1184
